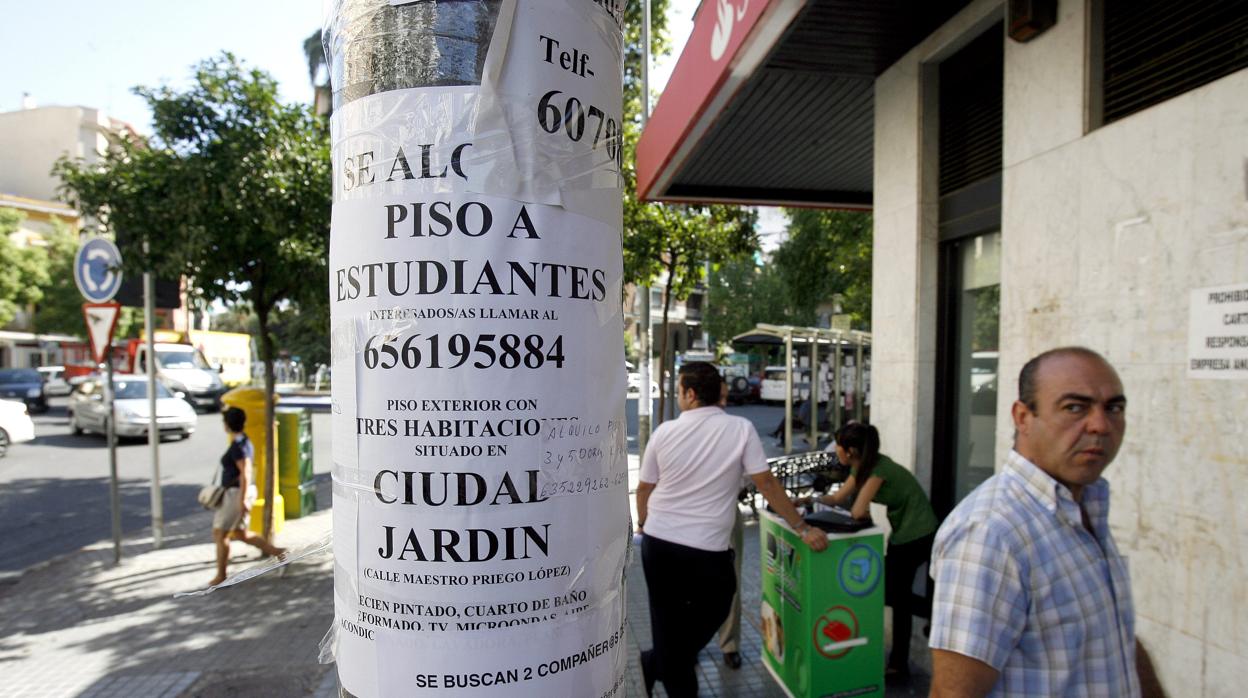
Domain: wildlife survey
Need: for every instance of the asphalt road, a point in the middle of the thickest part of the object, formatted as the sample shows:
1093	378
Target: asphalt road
54	490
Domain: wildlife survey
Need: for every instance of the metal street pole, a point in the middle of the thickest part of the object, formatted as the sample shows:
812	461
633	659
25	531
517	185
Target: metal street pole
153	430
490	109
644	399
788	392
114	495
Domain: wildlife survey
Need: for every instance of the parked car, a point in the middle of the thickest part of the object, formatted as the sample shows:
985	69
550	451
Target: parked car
15	425
88	408
634	385
54	383
773	385
25	384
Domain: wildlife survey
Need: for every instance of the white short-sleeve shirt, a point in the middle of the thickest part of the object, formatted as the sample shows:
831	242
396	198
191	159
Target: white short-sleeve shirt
697	463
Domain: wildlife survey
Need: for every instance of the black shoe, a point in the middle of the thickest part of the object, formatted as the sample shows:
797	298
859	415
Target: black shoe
732	659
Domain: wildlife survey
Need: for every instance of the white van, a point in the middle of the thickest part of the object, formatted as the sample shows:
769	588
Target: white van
184	369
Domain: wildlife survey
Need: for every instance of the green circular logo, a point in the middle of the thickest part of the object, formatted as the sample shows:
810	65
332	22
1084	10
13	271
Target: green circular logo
860	570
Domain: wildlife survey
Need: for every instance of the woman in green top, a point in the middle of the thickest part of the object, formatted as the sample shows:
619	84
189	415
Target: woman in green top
874	477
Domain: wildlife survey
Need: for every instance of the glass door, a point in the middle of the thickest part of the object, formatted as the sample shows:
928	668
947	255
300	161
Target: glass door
968	380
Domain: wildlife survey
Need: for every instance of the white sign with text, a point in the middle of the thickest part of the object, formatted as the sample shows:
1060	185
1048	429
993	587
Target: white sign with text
480	471
1217	338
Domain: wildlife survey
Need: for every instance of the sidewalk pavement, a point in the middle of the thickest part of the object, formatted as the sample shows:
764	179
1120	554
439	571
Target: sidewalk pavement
81	627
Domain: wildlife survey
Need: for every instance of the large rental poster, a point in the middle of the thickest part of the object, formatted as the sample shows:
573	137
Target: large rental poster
480	478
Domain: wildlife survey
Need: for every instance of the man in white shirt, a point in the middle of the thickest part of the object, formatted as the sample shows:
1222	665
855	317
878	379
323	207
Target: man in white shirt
690	475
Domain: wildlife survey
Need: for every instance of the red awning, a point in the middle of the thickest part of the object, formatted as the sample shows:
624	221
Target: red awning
772	101
729	40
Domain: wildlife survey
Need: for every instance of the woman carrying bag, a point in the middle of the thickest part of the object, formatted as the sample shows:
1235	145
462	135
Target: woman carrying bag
874	477
230	519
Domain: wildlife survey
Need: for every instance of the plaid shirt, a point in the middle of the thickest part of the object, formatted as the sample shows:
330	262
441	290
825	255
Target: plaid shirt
1022	586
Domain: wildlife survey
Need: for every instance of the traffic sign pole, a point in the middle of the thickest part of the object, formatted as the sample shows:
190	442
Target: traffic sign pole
114	493
97	273
101	320
153	430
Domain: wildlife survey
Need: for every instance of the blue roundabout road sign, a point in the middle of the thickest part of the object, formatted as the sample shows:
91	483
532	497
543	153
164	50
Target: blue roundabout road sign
97	270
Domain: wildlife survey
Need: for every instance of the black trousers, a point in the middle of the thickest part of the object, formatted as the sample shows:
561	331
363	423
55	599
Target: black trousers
900	564
690	594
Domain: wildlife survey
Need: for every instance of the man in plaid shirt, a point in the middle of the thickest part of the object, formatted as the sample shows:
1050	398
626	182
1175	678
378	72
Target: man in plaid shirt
1032	597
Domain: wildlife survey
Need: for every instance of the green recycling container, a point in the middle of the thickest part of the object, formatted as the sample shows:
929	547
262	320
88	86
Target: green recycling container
294	461
299	501
822	615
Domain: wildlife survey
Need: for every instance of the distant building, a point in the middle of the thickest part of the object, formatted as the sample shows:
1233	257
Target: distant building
32	139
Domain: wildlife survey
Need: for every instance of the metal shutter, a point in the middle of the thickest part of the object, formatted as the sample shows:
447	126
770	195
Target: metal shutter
1158	49
971	85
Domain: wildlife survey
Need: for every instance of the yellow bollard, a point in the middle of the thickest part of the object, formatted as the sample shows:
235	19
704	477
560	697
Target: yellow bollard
251	401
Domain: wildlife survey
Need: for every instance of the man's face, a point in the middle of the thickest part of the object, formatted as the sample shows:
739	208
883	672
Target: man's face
1078	422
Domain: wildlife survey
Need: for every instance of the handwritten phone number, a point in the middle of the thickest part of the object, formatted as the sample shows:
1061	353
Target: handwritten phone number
582	486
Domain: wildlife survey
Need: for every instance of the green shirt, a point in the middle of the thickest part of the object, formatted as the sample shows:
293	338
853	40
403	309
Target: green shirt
909	512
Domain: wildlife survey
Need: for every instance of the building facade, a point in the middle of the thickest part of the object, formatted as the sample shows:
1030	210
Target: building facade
1080	178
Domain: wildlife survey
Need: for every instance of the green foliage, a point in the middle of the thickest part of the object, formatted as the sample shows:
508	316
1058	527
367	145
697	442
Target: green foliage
826	253
60	309
232	191
303	330
314	52
237	318
741	294
642	221
23	271
659	237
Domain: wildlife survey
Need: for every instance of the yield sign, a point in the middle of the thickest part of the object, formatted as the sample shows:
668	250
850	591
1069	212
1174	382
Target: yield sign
101	321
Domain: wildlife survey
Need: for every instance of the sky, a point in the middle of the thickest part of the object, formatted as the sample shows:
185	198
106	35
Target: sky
91	53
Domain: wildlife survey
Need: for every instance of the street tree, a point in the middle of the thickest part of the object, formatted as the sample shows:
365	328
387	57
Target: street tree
658	238
23	270
741	293
232	191
677	242
827	253
639	264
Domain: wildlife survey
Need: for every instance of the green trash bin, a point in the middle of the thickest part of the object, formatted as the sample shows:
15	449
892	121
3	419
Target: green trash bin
822	616
294	460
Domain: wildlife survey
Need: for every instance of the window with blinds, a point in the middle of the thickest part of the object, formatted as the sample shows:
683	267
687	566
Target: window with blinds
971	87
1157	49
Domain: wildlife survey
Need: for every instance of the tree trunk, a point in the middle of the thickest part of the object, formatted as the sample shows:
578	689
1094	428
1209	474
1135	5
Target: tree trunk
667	306
270	471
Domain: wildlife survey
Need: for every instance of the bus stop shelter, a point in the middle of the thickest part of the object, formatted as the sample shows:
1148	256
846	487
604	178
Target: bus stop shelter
838	345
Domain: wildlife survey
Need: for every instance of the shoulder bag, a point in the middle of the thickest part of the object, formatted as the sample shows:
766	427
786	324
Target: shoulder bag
211	495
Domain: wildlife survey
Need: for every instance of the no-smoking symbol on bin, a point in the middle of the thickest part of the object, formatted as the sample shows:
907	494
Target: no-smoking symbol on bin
860	570
836	632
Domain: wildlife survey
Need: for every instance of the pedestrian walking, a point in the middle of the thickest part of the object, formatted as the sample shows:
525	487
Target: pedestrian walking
690	475
231	518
